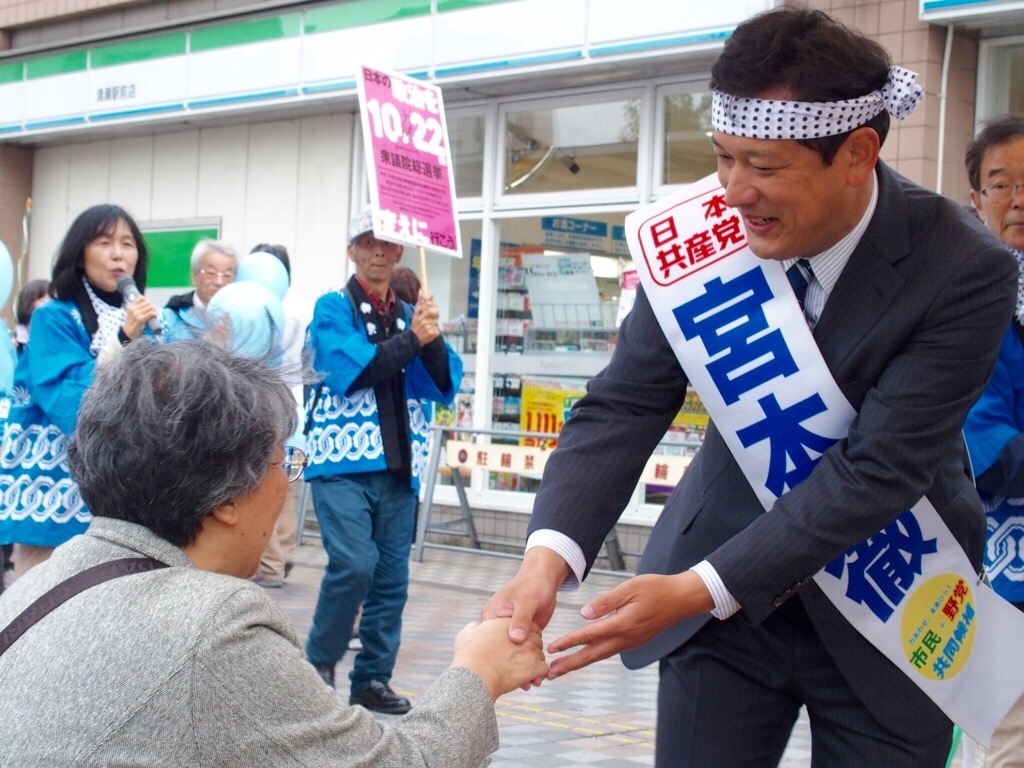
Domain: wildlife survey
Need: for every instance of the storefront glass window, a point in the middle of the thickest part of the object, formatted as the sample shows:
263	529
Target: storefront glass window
1001	78
466	138
558	301
455	284
1009	66
571	147
687	154
559	282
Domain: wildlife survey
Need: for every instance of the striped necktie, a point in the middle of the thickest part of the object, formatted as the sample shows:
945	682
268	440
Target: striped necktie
800	276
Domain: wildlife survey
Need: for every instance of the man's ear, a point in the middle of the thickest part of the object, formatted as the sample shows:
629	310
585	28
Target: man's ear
976	202
226	514
861	148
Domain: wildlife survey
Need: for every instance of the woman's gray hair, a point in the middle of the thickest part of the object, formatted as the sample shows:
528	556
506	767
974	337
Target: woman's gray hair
169	432
204	247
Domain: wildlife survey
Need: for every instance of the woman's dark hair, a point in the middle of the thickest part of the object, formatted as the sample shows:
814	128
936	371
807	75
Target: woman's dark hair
809	55
29	294
166	433
68	268
405	284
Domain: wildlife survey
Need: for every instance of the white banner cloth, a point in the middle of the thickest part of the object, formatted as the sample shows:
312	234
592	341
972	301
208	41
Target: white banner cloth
741	337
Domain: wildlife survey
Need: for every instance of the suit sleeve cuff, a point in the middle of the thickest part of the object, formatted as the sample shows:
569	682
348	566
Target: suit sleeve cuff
725	603
565	548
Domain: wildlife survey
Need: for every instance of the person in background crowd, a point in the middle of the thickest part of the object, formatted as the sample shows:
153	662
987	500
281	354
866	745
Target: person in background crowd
907	296
84	325
995	425
275	565
32	295
379	357
214	263
405	284
184	662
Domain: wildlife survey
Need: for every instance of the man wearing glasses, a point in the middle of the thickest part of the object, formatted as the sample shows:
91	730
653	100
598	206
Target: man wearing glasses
379	357
214	264
995	425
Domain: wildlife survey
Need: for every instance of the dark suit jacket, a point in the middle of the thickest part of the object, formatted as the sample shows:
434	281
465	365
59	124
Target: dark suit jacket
910	333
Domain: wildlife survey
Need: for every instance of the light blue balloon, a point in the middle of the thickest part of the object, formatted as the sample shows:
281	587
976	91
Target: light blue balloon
266	270
254	317
6	274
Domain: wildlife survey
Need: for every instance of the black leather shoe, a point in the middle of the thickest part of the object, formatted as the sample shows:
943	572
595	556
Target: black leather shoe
326	672
380	698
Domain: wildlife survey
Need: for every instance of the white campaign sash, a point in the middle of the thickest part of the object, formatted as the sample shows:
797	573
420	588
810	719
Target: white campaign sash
739	333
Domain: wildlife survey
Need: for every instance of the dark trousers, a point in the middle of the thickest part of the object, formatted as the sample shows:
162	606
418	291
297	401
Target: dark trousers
730	696
366	525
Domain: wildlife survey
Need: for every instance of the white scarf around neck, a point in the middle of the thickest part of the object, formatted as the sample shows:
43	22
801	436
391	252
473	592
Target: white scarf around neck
108	319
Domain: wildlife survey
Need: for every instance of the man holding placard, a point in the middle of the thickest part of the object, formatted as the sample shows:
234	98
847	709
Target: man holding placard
379	358
907	298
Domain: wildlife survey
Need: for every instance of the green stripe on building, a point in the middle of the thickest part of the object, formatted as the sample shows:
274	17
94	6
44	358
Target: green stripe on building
240	33
57	64
359	13
138	50
458	5
11	72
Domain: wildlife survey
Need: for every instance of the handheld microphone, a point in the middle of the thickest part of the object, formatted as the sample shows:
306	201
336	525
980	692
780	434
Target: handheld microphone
130	291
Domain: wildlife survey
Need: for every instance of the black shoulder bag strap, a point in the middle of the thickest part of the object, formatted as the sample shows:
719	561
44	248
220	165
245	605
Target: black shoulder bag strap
311	406
70	587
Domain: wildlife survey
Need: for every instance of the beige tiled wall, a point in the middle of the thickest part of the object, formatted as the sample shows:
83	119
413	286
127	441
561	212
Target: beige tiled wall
15	187
20	12
913	145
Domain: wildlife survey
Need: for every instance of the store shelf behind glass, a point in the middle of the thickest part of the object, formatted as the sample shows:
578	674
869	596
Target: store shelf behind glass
544	340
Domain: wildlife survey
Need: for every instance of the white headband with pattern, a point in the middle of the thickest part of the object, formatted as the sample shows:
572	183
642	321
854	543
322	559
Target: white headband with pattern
776	119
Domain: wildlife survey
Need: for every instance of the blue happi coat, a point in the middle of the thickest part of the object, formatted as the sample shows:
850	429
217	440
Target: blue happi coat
345	434
183	321
39	502
995	434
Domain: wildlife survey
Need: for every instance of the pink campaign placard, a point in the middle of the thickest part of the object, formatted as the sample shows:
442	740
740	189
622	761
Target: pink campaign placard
412	185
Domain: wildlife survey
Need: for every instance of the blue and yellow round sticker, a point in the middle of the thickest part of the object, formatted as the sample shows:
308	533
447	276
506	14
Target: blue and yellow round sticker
938	626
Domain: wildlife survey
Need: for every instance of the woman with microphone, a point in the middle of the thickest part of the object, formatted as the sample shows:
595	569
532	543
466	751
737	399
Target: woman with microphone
85	324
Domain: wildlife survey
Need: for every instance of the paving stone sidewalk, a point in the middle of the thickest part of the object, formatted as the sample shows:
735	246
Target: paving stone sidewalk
602	716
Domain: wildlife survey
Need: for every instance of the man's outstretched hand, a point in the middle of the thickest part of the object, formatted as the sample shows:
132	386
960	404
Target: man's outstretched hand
629	615
529	599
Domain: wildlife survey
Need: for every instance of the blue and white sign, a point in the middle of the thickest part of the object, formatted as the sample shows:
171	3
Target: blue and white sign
740	335
581	234
619	245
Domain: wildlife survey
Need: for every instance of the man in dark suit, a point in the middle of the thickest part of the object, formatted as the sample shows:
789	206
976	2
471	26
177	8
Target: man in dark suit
908	299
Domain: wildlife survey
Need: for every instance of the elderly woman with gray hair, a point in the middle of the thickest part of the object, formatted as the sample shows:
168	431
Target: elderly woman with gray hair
161	653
